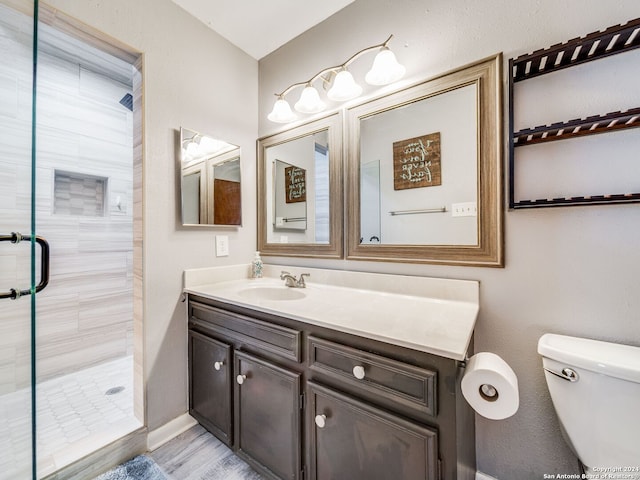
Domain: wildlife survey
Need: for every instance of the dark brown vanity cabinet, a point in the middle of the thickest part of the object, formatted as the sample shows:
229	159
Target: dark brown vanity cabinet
352	439
267	416
210	384
301	402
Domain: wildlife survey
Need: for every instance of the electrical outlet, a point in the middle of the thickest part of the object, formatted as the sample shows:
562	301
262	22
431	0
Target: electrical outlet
466	209
222	246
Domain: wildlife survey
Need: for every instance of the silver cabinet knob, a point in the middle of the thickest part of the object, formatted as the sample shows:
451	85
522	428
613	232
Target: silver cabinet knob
358	372
321	420
218	365
240	379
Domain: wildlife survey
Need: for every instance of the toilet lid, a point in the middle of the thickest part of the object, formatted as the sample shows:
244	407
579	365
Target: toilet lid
612	359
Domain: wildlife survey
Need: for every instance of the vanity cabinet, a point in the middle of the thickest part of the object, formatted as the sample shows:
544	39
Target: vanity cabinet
210	385
309	402
349	438
267	417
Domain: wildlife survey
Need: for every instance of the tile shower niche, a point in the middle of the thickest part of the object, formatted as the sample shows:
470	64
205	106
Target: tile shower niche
79	194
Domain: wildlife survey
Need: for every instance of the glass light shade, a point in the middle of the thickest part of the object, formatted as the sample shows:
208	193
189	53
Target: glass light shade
281	112
344	87
192	149
309	101
385	69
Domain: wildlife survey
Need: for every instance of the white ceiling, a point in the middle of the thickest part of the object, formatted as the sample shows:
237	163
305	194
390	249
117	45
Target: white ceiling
261	26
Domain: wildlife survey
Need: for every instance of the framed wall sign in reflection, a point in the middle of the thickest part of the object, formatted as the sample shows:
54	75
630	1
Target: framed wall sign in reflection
416	162
296	189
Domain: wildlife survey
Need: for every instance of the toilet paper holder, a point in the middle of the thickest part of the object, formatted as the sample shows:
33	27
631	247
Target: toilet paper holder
493	395
486	390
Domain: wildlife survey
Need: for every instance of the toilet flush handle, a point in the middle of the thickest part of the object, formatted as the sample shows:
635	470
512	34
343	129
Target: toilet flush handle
566	373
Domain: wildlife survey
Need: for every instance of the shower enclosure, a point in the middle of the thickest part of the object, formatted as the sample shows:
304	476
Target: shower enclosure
67	253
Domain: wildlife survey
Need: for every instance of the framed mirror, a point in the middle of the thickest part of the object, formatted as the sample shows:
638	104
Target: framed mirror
210	181
299	191
424	176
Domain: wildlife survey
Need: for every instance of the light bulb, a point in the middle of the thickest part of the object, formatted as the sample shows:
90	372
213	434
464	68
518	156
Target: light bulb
344	87
281	112
385	69
309	101
192	149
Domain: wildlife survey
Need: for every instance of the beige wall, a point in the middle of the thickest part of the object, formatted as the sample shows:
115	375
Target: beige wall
192	78
568	270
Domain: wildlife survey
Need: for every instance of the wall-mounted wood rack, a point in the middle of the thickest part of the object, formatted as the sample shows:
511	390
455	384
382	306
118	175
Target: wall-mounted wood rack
596	45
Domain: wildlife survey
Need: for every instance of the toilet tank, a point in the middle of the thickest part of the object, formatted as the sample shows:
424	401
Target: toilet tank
595	389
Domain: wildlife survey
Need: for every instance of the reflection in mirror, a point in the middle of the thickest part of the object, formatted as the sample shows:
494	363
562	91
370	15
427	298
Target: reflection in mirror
424	172
426	155
290	197
299	190
210	180
370	229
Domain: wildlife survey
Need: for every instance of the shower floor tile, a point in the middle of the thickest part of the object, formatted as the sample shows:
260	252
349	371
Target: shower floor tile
75	416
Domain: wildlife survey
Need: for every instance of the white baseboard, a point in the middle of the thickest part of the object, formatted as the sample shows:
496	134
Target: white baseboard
484	476
169	430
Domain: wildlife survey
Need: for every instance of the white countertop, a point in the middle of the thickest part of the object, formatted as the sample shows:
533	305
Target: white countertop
427	314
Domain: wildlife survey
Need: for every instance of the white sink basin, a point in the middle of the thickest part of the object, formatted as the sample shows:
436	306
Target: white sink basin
271	293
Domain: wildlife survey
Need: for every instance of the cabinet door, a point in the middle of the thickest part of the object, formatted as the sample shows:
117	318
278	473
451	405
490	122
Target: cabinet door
210	385
267	416
349	439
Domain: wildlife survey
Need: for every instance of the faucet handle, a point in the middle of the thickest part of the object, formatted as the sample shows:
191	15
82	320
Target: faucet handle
283	274
301	281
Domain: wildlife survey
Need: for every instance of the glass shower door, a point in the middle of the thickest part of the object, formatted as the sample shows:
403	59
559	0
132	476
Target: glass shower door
23	255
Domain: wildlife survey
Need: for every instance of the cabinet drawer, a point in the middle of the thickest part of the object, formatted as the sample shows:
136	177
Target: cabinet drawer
374	374
349	439
283	341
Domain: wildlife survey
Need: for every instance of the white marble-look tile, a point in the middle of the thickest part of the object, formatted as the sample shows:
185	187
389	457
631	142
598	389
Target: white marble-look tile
73	417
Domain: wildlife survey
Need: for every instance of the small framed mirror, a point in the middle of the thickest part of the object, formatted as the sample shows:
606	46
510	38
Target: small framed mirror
424	171
299	190
210	181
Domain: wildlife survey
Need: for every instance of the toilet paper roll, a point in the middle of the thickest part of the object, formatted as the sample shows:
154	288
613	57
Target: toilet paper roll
490	386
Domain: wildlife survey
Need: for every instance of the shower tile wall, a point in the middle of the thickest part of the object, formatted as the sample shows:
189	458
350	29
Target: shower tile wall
85	315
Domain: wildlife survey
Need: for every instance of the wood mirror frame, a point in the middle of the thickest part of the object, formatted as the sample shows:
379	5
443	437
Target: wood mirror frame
334	248
486	75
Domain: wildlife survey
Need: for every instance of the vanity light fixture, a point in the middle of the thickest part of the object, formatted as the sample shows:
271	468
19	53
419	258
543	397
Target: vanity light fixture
200	146
385	70
344	87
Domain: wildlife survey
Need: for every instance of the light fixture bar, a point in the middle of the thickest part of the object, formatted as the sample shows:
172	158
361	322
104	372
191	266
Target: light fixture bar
385	70
334	69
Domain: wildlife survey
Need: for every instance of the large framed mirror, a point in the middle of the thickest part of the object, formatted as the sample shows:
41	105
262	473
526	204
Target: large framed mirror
210	181
424	171
300	190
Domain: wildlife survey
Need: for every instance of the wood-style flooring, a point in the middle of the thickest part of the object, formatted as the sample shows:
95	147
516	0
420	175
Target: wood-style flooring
198	455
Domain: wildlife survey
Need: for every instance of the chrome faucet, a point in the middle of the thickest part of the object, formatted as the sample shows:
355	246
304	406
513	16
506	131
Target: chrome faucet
292	281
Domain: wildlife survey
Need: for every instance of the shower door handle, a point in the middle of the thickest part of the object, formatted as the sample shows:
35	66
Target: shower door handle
16	237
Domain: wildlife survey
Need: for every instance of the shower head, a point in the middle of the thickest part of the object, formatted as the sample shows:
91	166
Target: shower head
127	101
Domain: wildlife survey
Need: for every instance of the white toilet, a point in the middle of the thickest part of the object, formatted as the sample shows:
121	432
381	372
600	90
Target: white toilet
595	389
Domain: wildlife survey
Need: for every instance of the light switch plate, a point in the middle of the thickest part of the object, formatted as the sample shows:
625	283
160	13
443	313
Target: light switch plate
466	209
222	245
